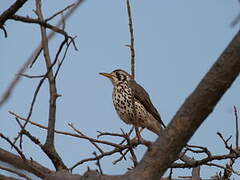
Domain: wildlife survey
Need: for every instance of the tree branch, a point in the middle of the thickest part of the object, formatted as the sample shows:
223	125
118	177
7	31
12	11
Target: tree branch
15	172
40	22
192	113
11	11
19	163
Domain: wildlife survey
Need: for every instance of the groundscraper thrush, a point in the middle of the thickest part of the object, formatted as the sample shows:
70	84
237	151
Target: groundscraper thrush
126	91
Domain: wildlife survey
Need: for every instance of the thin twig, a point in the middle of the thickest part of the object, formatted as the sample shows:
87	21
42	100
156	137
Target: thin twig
132	50
170	174
39	86
98	157
134	158
64	55
14	146
31	76
31	137
4	31
237	128
98	163
90	140
60	12
67	133
133	143
202	149
38	52
226	144
121	157
40	22
194	163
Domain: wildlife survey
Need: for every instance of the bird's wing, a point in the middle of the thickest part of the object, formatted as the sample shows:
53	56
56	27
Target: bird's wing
142	96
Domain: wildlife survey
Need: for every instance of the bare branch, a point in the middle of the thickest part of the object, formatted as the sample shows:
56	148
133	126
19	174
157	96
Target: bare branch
237	128
40	22
191	115
92	141
4	31
194	163
15	172
11	11
31	165
30	76
132	50
98	163
13	145
60	12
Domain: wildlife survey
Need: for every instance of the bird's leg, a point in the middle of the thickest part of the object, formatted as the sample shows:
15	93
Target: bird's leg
138	135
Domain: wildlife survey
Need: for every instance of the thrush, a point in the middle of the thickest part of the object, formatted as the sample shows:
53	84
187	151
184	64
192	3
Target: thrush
132	102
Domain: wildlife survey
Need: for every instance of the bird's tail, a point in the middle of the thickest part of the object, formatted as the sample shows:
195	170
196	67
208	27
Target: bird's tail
155	127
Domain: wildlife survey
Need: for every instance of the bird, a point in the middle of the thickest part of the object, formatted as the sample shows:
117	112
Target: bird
126	91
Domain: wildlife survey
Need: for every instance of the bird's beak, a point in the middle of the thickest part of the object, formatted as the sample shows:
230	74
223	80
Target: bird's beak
110	76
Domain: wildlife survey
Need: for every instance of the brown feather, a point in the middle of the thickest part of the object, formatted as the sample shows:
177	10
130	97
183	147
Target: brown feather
142	96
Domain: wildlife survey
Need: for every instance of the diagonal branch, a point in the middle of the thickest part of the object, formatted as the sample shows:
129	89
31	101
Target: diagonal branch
15	172
191	115
60	12
19	163
11	11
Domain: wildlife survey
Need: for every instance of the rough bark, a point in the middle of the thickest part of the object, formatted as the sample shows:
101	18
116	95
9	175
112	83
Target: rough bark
28	165
191	115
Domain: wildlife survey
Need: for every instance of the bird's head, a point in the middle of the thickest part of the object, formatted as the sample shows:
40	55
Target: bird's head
118	76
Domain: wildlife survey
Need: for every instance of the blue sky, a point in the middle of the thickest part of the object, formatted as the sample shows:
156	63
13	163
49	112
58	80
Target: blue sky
176	44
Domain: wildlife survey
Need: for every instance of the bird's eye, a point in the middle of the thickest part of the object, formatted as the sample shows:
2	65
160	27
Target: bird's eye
118	76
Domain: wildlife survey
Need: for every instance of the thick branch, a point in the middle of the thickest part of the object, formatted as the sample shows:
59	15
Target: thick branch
11	11
15	172
19	163
189	117
6	177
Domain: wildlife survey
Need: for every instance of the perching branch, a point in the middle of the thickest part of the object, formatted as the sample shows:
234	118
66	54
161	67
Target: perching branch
15	172
191	115
19	163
